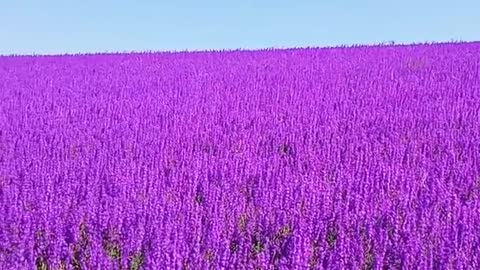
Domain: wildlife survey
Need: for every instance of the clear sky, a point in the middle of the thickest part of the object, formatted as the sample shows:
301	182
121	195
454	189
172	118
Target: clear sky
70	26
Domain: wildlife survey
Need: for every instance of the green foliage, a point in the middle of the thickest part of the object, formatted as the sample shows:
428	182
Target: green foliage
283	233
313	261
332	235
41	263
39	246
136	261
113	252
111	246
81	248
257	246
369	259
242	222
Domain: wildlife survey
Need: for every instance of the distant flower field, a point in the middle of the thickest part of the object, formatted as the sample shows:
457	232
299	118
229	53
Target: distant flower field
362	157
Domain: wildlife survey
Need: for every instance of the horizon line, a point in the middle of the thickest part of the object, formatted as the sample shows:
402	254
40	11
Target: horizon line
229	50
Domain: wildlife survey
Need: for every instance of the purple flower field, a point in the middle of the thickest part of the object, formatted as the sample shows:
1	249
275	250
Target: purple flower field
364	157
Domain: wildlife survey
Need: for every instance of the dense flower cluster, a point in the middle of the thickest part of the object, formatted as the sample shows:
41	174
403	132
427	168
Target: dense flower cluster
338	158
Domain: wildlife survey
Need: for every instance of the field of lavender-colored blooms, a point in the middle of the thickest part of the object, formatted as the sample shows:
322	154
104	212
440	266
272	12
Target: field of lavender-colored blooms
364	157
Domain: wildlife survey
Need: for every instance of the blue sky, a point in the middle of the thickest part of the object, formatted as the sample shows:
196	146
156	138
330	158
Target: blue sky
55	27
